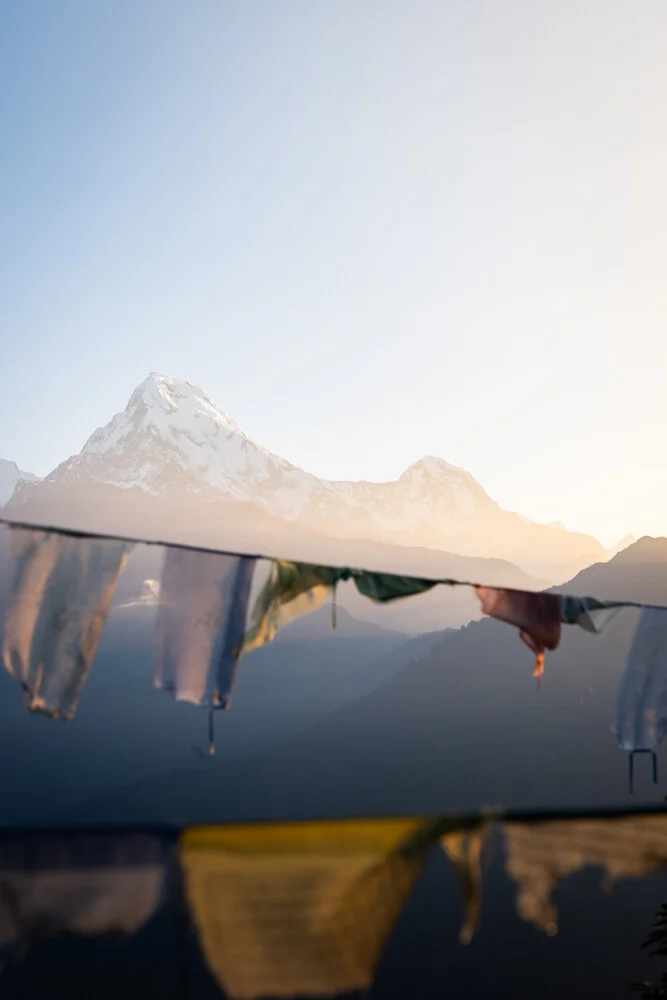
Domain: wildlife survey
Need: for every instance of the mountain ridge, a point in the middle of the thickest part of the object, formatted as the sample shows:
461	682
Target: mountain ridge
10	477
458	723
172	440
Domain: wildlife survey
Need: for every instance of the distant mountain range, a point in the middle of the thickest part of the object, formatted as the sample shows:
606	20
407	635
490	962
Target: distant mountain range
455	722
172	444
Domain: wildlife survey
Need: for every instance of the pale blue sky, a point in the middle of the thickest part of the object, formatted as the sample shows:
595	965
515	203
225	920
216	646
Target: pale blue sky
372	230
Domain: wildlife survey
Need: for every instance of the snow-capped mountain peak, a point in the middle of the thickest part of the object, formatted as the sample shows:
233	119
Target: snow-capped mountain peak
169	396
430	469
431	479
430	465
171	438
167	406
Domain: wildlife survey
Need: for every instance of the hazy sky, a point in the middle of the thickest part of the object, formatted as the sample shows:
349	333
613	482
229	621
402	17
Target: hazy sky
372	230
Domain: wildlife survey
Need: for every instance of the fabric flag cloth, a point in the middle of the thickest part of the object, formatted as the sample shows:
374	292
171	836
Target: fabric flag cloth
464	850
640	716
540	855
295	589
385	587
536	615
291	590
300	909
587	612
79	883
200	624
60	596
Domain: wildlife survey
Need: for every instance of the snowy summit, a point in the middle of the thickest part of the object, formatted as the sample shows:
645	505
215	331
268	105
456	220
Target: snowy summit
171	438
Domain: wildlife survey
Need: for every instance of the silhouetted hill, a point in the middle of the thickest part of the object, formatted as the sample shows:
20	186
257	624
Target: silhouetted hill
461	725
125	730
636	573
319	626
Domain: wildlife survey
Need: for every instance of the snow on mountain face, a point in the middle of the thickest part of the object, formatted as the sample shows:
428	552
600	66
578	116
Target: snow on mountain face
171	438
430	495
10	476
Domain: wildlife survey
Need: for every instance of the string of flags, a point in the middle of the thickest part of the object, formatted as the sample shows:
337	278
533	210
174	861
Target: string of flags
62	584
307	908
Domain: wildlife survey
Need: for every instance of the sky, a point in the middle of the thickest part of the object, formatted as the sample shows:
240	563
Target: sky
370	229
